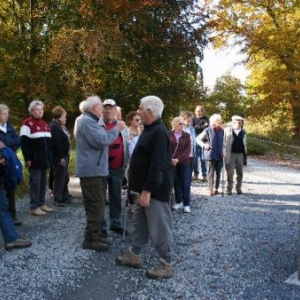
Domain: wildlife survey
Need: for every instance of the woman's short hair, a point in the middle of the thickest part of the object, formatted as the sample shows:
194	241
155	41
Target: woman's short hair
154	104
57	112
130	116
215	118
34	104
175	121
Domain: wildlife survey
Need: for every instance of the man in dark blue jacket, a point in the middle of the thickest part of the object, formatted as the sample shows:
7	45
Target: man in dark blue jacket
150	176
11	139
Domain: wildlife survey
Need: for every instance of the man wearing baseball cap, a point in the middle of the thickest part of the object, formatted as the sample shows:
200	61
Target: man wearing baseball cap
235	139
117	159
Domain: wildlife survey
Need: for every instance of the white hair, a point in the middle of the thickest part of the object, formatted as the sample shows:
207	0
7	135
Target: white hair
90	102
215	118
154	104
81	106
34	104
3	107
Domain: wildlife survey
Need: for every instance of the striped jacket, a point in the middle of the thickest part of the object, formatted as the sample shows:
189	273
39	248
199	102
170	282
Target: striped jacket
36	143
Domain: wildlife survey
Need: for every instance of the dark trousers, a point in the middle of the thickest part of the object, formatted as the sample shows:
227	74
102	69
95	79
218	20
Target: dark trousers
93	192
37	187
11	198
182	184
60	181
214	167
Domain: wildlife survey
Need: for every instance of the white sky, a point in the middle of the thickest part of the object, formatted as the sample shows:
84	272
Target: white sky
217	63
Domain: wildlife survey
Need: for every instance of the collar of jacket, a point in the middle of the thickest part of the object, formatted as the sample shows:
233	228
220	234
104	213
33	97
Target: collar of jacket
153	123
92	115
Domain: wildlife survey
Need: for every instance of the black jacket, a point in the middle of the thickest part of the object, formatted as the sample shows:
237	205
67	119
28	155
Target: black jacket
60	141
150	164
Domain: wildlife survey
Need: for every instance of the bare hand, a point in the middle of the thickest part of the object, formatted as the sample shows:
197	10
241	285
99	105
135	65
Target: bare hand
28	163
120	125
144	200
175	161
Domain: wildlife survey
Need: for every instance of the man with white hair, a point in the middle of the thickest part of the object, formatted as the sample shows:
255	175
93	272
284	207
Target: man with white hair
150	177
235	138
92	141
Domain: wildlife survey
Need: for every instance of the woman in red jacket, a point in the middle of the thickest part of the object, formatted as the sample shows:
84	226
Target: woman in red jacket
180	150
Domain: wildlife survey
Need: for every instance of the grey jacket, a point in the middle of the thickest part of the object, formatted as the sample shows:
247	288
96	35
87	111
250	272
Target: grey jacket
92	141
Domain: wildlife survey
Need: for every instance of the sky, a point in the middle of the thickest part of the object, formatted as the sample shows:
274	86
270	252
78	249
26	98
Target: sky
217	63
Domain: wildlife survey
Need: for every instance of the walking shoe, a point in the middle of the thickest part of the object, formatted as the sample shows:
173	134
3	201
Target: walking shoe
46	208
204	179
229	193
216	192
118	230
17	244
187	209
103	233
178	206
129	259
17	221
37	212
95	245
239	192
163	270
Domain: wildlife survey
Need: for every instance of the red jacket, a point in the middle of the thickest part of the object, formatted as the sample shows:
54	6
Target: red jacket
182	149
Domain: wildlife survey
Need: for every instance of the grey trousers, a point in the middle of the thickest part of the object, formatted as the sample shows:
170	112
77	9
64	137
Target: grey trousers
93	192
37	187
154	221
236	162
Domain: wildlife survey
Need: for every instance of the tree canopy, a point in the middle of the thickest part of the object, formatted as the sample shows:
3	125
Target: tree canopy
63	51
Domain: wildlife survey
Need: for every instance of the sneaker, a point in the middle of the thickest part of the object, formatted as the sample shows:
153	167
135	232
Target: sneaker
187	209
178	206
98	245
163	270
129	259
46	208
17	244
37	212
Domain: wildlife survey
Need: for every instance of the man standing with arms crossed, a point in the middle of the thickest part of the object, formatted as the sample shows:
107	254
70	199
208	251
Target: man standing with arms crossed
92	141
199	122
150	175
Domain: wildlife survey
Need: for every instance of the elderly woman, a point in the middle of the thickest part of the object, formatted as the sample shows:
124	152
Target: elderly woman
36	148
212	140
133	122
180	150
60	152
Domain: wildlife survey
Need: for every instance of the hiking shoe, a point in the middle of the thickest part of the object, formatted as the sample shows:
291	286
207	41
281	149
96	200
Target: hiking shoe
178	206
118	230
17	244
163	270
95	245
129	259
46	208
37	212
187	209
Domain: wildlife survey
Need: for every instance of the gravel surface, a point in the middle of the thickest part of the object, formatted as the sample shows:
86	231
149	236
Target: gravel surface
231	247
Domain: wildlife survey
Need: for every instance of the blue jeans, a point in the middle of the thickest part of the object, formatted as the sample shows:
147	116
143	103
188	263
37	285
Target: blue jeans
198	155
182	184
37	187
114	182
7	226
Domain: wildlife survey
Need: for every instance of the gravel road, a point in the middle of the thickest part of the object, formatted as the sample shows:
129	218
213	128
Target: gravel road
231	247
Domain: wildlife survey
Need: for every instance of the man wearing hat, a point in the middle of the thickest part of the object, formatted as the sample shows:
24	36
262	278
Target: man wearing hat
117	160
236	151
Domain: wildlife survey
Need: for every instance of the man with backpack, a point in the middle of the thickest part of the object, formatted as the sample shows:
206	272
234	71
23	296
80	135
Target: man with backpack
11	139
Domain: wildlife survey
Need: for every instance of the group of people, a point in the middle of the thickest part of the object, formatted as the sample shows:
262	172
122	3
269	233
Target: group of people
152	159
